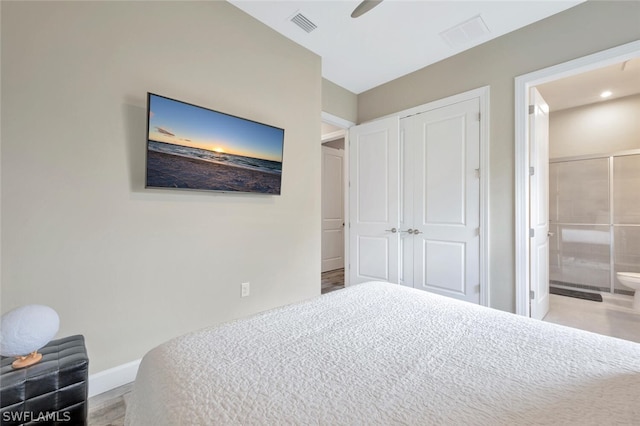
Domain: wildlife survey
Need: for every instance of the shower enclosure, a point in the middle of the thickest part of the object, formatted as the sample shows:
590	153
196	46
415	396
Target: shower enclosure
594	216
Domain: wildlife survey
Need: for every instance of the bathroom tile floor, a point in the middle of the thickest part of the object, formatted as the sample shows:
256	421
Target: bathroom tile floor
612	317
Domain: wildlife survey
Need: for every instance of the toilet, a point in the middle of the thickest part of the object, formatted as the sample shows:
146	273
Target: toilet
631	280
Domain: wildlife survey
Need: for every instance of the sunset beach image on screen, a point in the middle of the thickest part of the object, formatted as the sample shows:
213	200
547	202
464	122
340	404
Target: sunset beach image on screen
192	147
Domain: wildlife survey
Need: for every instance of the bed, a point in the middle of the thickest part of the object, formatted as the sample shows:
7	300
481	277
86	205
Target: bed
382	354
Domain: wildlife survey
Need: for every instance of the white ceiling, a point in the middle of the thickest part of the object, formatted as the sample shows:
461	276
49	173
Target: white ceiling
395	38
621	80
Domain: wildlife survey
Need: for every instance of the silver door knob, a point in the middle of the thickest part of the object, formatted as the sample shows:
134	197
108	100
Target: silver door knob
416	232
550	234
392	230
410	231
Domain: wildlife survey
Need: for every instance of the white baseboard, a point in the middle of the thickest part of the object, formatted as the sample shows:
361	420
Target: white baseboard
112	378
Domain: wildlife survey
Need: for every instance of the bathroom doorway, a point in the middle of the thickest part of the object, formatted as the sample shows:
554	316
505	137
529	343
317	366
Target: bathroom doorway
523	180
592	231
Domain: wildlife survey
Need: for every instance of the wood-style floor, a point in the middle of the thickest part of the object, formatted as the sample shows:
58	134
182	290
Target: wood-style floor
332	280
107	409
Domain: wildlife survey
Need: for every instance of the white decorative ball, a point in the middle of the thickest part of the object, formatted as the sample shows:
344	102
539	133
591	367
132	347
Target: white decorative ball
27	329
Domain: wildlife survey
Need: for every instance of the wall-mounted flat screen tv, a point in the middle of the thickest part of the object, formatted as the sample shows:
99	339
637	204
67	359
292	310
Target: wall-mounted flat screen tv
191	147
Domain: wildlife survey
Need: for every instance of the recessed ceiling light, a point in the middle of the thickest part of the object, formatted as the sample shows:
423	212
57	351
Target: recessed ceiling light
605	94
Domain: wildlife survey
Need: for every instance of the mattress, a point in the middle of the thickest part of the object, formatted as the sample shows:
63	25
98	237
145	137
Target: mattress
382	354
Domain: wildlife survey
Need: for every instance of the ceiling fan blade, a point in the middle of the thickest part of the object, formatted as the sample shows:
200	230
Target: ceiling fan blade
364	7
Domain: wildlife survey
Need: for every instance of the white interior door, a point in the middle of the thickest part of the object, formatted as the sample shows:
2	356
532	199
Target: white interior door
539	205
373	201
332	209
441	213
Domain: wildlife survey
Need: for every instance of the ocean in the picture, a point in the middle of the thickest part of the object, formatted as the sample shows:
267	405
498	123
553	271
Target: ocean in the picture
274	167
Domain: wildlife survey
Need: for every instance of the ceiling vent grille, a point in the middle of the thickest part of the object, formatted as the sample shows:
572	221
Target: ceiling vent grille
303	22
466	33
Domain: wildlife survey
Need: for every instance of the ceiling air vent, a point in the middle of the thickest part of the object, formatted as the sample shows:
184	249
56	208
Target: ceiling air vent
466	33
303	22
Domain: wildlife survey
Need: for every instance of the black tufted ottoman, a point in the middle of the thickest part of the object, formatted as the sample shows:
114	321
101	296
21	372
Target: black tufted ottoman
53	391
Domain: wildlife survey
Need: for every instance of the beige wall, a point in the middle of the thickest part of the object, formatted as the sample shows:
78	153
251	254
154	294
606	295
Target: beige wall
579	31
600	128
129	267
339	101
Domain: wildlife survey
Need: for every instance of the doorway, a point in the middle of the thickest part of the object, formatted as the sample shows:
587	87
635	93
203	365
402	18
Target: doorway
333	202
526	279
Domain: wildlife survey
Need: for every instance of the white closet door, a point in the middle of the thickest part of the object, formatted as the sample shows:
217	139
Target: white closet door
373	212
443	148
332	209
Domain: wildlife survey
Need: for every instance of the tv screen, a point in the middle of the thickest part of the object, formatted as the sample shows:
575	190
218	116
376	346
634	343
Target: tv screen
191	147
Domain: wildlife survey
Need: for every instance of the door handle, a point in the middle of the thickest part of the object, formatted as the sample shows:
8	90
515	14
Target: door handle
392	230
550	234
412	231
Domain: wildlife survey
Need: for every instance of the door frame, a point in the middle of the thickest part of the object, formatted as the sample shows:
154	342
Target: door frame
344	124
522	202
481	93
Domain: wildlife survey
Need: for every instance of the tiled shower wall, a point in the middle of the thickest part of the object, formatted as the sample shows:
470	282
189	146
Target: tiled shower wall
594	214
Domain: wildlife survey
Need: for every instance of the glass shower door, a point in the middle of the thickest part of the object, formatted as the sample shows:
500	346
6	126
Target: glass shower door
580	218
626	218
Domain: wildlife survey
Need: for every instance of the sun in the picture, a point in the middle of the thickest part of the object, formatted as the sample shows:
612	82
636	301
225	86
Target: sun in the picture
218	150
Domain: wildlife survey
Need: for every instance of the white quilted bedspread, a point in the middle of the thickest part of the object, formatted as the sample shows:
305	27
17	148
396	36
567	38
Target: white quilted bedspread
382	354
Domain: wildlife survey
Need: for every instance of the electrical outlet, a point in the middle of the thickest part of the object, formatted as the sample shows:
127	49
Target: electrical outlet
245	289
